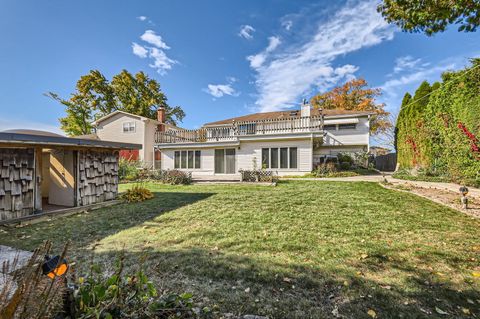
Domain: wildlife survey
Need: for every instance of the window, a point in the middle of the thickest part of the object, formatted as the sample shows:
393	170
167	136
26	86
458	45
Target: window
274	158
265	158
347	126
197	159
293	157
283	158
187	159
183	161
129	127
190	159
330	127
177	159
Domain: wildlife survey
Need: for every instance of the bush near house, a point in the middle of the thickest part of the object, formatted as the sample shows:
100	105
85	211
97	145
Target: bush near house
172	177
438	130
128	170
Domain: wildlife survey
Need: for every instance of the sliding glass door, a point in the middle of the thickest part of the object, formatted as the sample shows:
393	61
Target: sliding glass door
225	161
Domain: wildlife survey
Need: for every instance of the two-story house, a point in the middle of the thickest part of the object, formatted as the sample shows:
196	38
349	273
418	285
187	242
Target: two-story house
288	142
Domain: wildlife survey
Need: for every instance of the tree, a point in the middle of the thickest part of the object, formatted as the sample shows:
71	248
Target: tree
95	97
355	95
431	16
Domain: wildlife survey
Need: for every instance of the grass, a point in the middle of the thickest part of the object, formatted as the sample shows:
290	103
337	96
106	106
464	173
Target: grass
342	173
302	249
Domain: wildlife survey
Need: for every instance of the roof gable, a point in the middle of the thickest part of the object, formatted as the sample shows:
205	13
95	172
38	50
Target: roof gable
142	118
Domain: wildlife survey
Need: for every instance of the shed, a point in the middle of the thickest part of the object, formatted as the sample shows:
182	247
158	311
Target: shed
42	171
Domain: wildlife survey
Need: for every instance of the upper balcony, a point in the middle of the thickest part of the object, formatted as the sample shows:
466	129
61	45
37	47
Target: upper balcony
231	132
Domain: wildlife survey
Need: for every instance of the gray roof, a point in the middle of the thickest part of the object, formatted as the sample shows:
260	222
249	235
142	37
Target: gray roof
51	140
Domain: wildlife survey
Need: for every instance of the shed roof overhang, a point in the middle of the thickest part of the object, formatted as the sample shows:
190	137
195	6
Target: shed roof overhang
16	139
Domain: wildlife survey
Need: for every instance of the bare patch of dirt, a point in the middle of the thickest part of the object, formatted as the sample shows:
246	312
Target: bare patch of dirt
441	196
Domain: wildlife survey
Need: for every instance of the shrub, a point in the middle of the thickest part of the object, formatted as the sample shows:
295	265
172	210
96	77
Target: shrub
128	170
137	194
324	169
345	166
345	158
173	177
438	129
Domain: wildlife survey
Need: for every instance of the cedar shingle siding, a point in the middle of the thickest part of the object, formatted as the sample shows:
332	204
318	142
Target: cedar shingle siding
98	176
17	182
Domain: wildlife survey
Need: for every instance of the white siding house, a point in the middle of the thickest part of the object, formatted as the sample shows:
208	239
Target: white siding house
289	143
128	128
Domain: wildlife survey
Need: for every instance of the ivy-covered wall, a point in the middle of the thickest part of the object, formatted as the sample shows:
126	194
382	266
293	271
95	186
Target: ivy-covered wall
438	129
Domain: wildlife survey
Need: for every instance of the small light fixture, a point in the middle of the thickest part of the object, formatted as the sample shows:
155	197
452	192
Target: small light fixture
54	267
464	200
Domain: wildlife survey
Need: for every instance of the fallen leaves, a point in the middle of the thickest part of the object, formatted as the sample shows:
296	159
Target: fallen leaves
372	313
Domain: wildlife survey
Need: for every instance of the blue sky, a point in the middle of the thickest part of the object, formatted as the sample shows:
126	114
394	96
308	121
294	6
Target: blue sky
216	59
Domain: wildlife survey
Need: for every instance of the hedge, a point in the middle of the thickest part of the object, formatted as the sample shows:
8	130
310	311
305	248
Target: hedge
438	130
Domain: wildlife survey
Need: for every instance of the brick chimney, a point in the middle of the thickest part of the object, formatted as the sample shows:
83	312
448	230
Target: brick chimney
161	117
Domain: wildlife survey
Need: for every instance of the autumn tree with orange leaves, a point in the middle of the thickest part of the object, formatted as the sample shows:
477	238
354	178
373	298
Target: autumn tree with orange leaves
356	95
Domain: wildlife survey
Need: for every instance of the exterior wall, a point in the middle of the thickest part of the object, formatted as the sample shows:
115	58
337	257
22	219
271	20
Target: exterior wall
244	156
111	129
148	155
206	161
358	136
97	176
17	182
250	150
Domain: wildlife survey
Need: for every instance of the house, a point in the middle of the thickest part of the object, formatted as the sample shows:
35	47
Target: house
43	172
129	128
287	142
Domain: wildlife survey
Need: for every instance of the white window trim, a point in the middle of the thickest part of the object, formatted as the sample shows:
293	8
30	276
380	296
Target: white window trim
187	169
129	123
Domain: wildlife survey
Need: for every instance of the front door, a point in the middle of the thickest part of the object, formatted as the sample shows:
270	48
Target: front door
225	161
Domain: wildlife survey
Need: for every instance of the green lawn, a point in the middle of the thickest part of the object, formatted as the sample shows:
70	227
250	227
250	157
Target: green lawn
299	250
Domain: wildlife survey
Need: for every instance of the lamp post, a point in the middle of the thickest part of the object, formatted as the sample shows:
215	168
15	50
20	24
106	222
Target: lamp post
464	200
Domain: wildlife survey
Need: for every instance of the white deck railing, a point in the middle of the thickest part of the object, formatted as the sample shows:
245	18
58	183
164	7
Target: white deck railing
244	128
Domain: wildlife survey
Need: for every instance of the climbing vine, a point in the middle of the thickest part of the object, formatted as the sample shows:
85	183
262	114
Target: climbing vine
438	128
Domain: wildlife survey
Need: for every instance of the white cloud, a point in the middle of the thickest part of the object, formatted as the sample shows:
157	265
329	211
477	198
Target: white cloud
406	63
139	50
287	24
160	61
257	60
219	90
246	32
299	70
154	39
142	18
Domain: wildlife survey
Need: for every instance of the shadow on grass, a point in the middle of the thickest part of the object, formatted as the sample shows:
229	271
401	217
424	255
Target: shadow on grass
83	230
245	285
